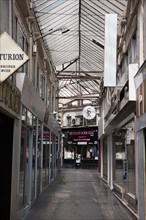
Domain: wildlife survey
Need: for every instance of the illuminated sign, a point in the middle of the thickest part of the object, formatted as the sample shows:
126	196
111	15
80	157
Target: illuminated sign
12	57
82	137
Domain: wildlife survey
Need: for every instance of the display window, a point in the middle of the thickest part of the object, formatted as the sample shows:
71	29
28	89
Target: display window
124	157
80	147
105	158
69	152
57	151
52	156
39	158
45	166
27	158
34	127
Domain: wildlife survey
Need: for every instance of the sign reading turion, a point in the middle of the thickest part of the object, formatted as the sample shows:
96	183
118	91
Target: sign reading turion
12	57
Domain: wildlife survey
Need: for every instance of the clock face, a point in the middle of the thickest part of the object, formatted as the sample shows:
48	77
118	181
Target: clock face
89	112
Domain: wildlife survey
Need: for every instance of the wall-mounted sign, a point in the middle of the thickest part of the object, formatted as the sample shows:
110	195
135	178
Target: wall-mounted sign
89	112
12	56
10	96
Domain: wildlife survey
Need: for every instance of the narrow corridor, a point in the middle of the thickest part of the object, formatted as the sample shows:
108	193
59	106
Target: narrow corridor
83	196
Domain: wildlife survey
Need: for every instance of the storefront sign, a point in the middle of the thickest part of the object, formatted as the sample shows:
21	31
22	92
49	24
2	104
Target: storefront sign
89	112
10	96
12	56
83	137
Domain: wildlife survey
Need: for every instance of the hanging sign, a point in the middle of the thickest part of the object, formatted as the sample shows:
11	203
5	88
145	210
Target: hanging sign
89	112
12	56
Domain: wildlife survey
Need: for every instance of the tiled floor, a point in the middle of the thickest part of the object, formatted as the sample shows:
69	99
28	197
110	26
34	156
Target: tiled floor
84	196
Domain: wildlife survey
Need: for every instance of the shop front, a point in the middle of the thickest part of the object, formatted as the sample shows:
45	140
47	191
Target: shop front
124	171
10	105
80	147
39	147
140	82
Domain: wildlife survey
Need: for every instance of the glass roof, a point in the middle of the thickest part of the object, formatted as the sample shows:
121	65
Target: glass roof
73	33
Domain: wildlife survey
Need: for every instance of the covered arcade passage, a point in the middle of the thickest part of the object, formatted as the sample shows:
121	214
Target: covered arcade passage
84	196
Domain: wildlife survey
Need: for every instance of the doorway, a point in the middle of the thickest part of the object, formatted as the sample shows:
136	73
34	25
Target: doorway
6	145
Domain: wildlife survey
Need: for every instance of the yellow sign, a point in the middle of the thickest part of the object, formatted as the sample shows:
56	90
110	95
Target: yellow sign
12	57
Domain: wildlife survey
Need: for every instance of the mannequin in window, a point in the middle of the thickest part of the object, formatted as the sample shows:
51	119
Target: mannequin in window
88	153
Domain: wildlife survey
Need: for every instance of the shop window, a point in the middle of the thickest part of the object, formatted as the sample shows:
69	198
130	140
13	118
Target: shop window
27	158
34	156
105	157
130	152
52	156
57	151
69	152
80	145
124	157
22	160
29	118
24	116
39	159
45	165
120	155
90	152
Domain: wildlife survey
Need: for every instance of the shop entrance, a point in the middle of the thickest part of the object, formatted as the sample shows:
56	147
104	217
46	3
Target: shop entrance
6	144
80	148
124	164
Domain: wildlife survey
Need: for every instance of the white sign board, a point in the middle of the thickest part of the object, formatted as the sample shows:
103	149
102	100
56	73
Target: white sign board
89	112
110	50
133	69
12	56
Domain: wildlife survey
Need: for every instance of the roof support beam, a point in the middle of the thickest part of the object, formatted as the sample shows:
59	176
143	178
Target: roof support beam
79	77
82	71
79	34
78	97
68	65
